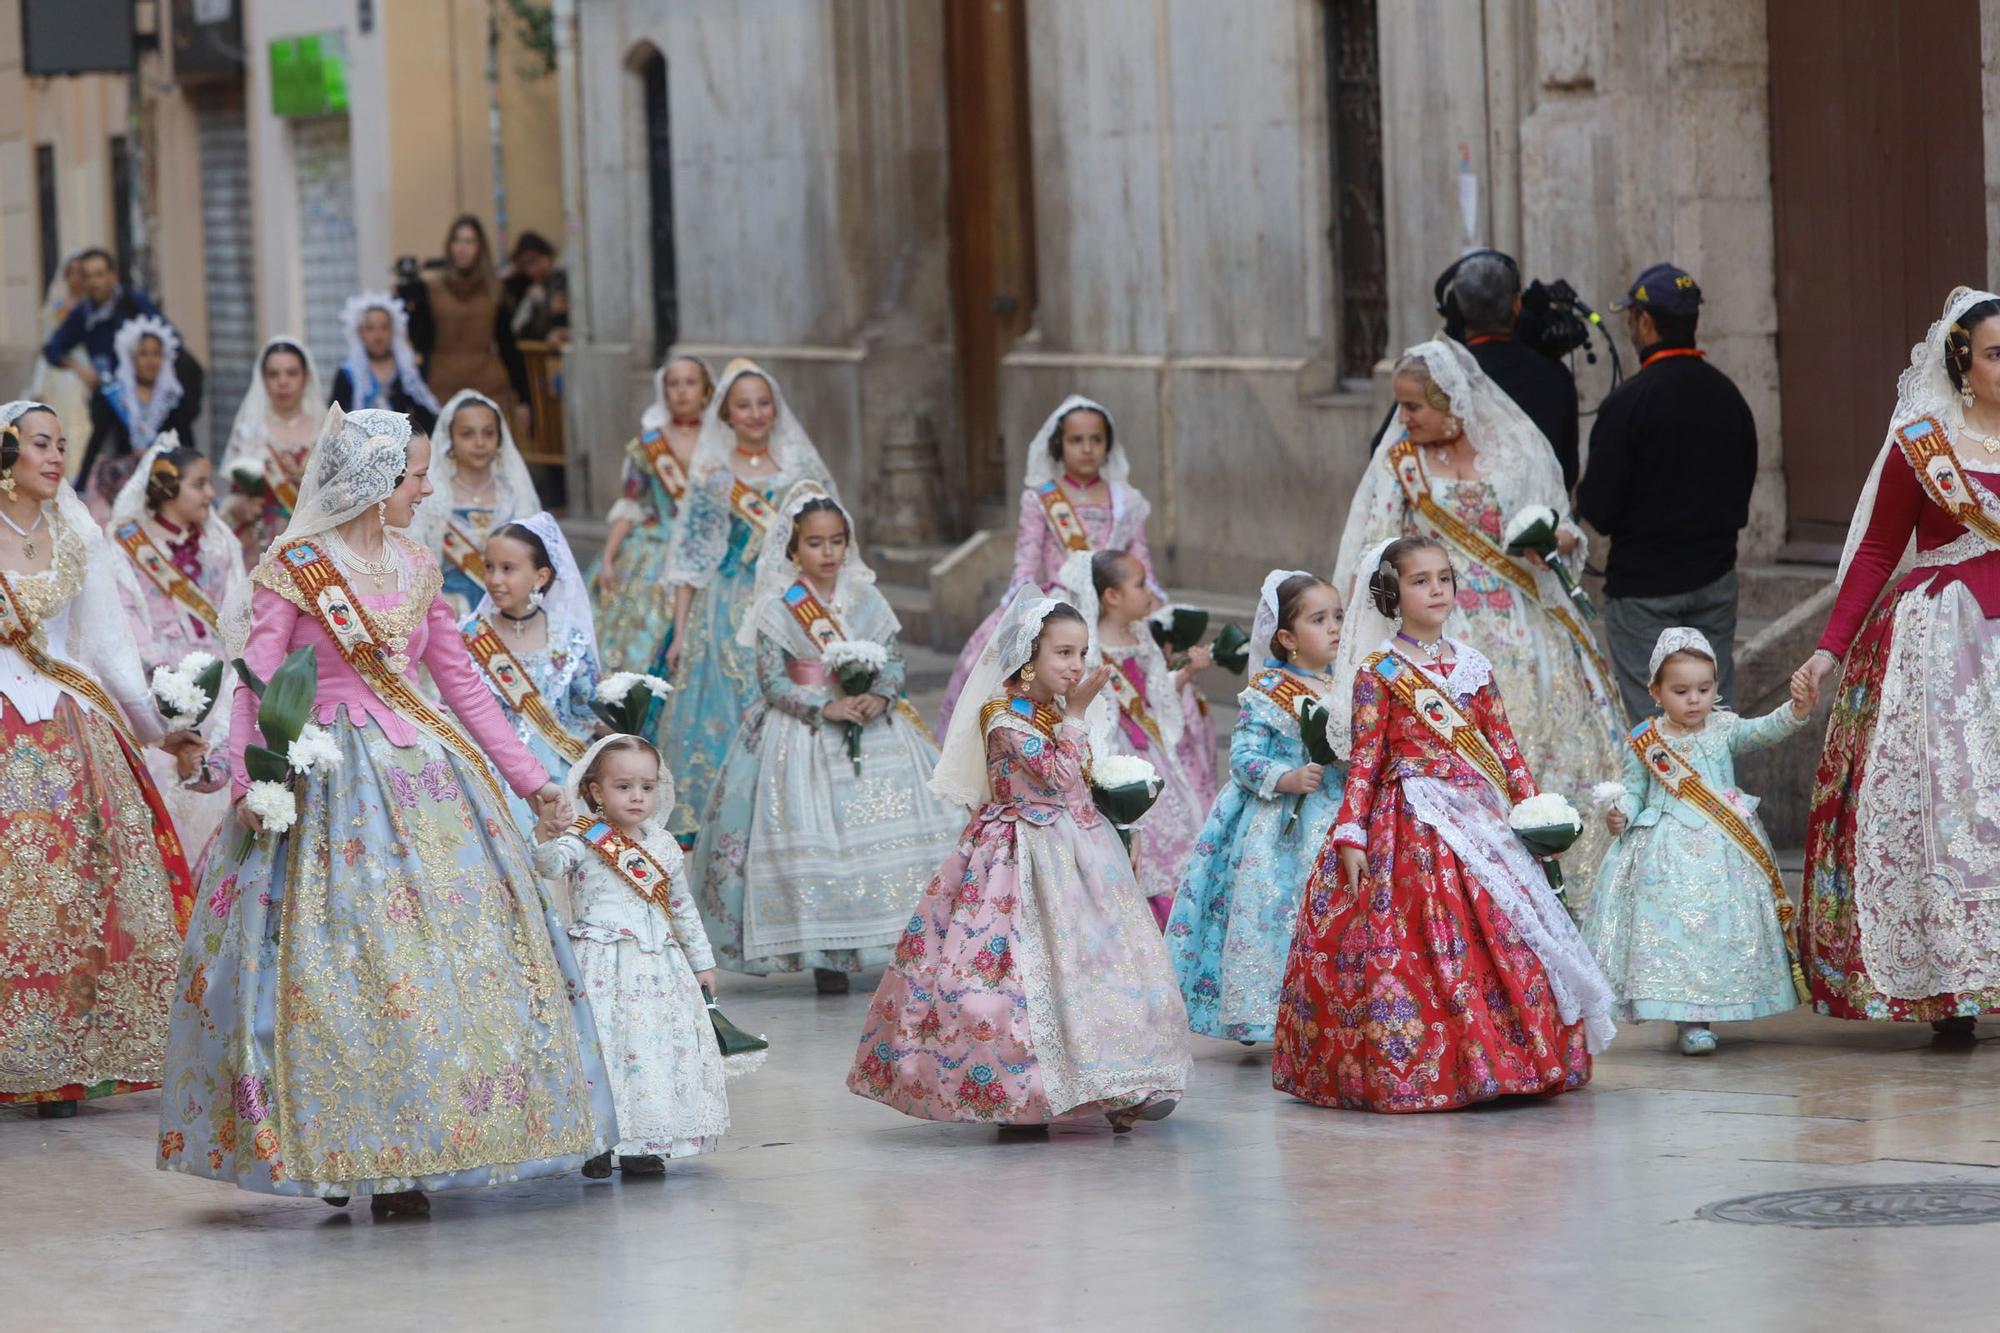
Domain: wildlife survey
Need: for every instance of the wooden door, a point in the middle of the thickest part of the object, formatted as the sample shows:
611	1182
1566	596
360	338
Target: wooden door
1878	181
992	230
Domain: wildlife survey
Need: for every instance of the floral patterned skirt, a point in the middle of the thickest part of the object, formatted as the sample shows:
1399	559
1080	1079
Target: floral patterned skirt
94	892
659	1046
1417	994
635	625
381	998
1030	986
713	690
1833	919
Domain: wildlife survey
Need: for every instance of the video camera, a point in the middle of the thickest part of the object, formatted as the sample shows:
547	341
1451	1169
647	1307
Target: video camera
1553	321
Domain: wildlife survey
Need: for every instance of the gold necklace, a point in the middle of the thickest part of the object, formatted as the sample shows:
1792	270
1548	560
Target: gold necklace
27	534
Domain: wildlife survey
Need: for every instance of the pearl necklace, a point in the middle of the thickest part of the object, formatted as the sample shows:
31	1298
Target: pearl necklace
1434	650
379	570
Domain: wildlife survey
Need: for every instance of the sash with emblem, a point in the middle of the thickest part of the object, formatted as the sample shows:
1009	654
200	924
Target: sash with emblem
162	573
19	632
1680	778
1471	542
1927	447
748	503
813	617
1045	719
518	689
1062	517
658	452
1132	708
464	552
1436	710
281	481
632	862
340	613
1283	689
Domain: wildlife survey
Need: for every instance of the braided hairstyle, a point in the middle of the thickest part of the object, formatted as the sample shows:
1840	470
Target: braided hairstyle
163	483
1385	581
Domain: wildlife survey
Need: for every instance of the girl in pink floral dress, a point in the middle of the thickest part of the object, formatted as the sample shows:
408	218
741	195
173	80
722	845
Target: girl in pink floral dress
1031	984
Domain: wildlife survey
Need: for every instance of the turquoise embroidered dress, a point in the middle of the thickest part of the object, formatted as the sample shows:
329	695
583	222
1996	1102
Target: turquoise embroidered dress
635	625
1232	920
1682	920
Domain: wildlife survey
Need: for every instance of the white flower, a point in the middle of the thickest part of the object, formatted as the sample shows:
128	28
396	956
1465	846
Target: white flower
195	663
274	803
1607	793
247	469
177	694
862	652
1527	518
1123	770
1547	811
614	687
313	752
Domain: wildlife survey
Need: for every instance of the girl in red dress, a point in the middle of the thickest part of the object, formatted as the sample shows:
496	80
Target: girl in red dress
1433	966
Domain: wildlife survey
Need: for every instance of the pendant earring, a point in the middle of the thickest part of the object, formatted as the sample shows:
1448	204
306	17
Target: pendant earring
535	600
1453	428
1967	396
7	481
382	512
1028	674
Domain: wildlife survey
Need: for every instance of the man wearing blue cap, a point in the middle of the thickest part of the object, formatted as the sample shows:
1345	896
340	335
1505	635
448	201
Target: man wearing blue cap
1673	458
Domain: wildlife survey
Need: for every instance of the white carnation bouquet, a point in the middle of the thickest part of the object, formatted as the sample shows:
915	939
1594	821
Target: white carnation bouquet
293	747
626	700
856	664
186	691
1550	826
1533	528
247	476
1124	788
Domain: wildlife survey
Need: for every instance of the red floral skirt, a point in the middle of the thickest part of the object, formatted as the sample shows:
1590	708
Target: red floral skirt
1417	994
94	897
1829	926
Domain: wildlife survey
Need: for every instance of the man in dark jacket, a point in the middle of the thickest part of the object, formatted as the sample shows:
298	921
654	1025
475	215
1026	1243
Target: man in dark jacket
1481	302
1673	459
93	322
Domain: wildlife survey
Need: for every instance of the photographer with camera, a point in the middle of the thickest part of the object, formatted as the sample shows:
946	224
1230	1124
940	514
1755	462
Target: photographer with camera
1480	299
1673	459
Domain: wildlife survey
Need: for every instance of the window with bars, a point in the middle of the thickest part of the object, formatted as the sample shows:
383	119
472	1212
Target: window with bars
1354	134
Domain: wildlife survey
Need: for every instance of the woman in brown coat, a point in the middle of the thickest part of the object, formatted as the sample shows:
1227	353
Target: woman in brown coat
459	324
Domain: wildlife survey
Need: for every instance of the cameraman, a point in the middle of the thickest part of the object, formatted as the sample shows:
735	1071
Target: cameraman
1480	299
1673	459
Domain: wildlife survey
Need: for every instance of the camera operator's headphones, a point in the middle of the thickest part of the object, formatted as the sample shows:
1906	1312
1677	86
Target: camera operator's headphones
1444	292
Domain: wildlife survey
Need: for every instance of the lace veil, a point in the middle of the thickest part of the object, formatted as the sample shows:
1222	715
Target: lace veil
1363	632
1924	389
408	374
218	543
777	571
1679	639
1264	625
511	480
656	416
961	775
247	432
143	420
566	600
657	840
1042	468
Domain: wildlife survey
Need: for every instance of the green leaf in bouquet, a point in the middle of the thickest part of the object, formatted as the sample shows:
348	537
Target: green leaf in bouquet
265	765
249	677
1232	649
210	683
1313	720
1182	628
731	1040
288	699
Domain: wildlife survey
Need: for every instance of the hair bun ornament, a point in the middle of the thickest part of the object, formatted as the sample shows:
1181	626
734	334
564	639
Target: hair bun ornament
740	363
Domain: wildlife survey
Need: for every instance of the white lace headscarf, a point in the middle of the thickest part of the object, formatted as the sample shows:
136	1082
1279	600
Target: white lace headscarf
1363	632
961	776
657	413
1264	625
1923	390
657	839
131	500
143	420
513	485
1042	468
777	571
566	601
1510	451
67	502
355	464
251	427
408	373
1679	639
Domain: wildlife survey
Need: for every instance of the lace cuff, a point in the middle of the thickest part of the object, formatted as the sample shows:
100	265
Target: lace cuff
625	511
1350	835
1274	773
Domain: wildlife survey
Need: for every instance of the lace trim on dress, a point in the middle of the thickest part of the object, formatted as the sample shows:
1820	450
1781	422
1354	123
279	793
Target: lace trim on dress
396	622
45	592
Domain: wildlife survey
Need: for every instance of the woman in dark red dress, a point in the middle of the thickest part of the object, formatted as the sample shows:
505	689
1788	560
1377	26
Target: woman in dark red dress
1433	966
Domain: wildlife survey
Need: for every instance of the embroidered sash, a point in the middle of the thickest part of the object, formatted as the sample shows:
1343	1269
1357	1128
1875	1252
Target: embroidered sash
632	862
1062	517
819	624
17	631
464	552
1132	706
163	573
518	689
1927	447
659	454
280	480
1044	718
748	503
1416	484
1283	689
1681	779
340	613
1436	710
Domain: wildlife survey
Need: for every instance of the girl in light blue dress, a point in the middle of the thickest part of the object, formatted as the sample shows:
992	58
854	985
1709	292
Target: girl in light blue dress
1231	926
533	639
1686	918
751	452
482	485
